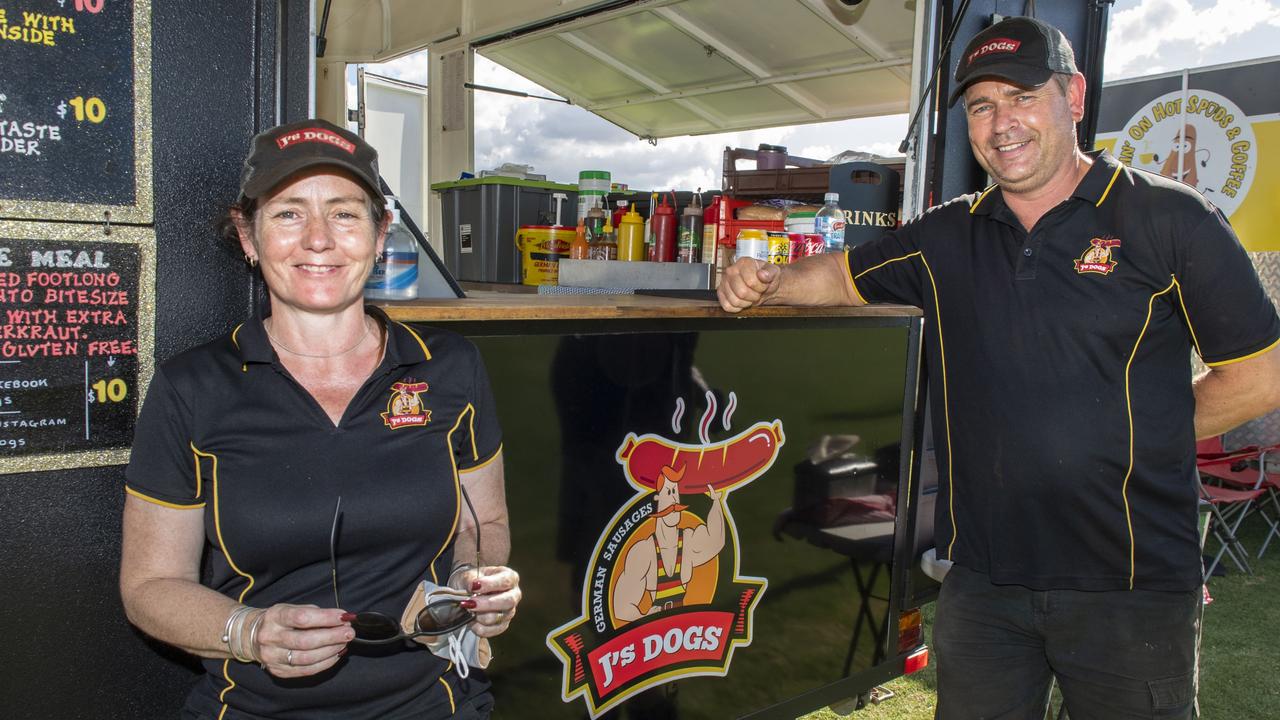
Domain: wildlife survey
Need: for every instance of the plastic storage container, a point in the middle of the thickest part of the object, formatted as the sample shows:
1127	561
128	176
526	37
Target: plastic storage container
720	231
593	187
771	157
720	220
480	218
800	222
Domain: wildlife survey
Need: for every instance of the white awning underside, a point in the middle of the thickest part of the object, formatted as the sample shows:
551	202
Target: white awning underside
667	67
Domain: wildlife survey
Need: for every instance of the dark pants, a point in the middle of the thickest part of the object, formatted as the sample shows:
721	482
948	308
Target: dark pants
1117	654
478	707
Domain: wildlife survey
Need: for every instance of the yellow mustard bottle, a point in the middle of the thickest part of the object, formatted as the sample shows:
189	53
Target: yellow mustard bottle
631	236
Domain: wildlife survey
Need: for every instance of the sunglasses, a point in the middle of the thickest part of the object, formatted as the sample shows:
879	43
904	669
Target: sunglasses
439	617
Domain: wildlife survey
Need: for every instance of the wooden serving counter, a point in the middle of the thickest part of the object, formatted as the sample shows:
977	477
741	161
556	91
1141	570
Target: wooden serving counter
491	305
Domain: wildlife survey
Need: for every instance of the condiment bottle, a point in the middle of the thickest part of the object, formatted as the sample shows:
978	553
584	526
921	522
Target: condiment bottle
648	227
594	224
664	232
609	241
579	249
631	236
689	245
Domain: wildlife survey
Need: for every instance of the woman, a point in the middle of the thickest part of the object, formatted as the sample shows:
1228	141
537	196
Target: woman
246	445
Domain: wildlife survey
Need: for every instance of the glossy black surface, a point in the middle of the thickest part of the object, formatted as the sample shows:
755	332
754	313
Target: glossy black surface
568	401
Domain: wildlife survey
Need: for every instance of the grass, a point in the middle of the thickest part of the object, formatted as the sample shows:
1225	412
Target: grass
1238	656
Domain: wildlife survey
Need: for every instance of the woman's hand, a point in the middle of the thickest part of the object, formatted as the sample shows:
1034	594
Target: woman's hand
301	640
495	595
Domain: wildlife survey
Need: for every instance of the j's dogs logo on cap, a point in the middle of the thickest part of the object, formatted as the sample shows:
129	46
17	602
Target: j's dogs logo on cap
319	135
999	45
1097	257
404	408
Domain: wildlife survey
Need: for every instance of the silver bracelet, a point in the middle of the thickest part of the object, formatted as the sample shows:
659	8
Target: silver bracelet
459	568
237	636
232	619
236	644
253	638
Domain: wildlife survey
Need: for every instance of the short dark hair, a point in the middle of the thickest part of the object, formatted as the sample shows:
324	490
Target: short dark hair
1062	80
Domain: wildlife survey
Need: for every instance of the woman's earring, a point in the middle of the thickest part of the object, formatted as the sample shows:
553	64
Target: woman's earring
251	259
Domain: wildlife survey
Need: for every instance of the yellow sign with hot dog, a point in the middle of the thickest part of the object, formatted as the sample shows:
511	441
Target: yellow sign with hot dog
1216	129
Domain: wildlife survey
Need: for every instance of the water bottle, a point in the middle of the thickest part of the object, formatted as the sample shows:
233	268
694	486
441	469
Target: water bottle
829	223
395	272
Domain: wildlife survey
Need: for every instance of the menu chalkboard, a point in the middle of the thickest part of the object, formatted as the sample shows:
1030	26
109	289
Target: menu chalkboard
76	338
74	109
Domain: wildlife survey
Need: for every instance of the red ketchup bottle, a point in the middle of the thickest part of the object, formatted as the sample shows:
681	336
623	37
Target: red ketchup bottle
664	232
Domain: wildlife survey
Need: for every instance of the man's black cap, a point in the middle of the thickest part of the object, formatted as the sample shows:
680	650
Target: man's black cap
1022	50
283	150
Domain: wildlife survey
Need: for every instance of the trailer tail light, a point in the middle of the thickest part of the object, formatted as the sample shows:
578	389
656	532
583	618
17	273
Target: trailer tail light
910	629
916	661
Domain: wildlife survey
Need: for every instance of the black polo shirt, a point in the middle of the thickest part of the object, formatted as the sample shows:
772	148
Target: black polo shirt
226	430
1060	372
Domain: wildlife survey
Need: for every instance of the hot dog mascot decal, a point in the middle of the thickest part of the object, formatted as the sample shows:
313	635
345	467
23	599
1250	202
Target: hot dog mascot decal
662	598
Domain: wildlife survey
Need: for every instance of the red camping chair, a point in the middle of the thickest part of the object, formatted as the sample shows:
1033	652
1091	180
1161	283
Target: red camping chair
1236	490
1236	469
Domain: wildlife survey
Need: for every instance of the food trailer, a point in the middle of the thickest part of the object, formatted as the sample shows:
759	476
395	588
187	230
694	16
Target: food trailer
125	124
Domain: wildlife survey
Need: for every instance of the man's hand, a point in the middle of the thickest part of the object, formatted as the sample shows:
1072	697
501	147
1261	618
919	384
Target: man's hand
747	283
813	281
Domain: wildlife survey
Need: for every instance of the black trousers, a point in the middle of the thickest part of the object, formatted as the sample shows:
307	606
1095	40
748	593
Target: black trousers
1117	654
478	707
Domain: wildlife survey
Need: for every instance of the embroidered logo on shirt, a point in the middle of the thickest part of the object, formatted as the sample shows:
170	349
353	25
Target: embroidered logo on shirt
404	409
1097	257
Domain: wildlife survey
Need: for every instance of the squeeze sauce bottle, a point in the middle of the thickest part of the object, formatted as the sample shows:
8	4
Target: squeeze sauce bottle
579	249
648	227
689	244
631	236
664	232
609	241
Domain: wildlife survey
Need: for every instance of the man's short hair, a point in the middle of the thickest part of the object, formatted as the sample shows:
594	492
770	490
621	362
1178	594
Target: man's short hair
1062	80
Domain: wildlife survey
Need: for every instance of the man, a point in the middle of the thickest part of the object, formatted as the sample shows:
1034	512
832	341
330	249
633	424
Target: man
660	566
1064	410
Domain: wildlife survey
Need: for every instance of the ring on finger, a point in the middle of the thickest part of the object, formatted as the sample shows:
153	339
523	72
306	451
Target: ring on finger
288	658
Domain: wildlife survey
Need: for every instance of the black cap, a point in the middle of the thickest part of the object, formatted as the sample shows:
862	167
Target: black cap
1022	50
283	150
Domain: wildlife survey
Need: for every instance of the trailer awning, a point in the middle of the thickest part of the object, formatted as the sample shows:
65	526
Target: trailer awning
671	67
701	66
